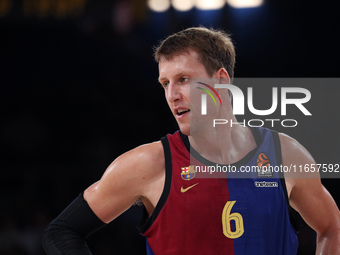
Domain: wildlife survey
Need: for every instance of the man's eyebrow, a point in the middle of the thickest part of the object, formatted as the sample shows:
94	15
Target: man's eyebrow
179	74
160	79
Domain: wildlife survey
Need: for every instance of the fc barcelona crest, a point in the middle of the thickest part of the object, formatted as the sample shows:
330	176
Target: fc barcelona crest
188	173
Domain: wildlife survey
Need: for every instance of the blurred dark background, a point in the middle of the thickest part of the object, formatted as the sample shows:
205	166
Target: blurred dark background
79	88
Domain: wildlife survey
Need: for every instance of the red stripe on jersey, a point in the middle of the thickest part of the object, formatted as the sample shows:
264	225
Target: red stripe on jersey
190	221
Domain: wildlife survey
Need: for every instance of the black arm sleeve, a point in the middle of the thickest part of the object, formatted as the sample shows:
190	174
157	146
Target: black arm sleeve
66	234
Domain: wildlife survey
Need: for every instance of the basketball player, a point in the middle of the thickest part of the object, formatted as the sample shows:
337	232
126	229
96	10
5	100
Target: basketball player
188	215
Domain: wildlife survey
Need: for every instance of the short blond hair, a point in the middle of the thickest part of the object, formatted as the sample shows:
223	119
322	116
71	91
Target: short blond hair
214	47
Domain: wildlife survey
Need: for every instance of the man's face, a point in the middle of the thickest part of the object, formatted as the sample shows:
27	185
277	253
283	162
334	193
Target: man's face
175	75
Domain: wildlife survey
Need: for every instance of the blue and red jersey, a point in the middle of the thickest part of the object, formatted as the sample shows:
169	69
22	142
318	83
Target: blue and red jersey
225	215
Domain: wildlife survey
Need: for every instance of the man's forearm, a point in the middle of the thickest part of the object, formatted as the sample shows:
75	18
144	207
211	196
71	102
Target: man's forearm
58	240
329	244
67	233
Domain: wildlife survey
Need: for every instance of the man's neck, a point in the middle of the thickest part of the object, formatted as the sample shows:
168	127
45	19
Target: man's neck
225	144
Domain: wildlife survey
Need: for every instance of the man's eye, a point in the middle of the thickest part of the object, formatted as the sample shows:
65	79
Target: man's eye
165	84
183	80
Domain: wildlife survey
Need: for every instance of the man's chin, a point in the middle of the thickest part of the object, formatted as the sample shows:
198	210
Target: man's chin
185	130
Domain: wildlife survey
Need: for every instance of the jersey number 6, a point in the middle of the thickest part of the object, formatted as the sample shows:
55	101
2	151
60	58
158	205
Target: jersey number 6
227	217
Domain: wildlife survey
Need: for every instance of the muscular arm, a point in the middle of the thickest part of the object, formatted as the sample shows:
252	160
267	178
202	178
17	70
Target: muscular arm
138	173
311	199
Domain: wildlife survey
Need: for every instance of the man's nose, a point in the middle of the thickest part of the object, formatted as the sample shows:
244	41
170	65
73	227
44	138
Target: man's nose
174	93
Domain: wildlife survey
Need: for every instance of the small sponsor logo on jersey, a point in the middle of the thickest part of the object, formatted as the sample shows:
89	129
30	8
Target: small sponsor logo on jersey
188	173
263	163
183	190
265	184
262	160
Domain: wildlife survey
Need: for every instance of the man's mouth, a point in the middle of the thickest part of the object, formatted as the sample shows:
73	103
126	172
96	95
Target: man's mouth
182	111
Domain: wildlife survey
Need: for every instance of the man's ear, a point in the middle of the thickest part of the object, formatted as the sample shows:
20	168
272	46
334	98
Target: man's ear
223	76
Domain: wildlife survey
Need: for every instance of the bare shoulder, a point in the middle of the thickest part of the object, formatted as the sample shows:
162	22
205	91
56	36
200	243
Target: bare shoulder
128	178
293	152
297	158
138	164
145	159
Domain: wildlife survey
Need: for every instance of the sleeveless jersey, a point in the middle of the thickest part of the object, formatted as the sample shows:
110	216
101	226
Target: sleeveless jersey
231	216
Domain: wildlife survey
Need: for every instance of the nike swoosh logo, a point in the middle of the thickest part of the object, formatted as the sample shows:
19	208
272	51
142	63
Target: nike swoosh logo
186	189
